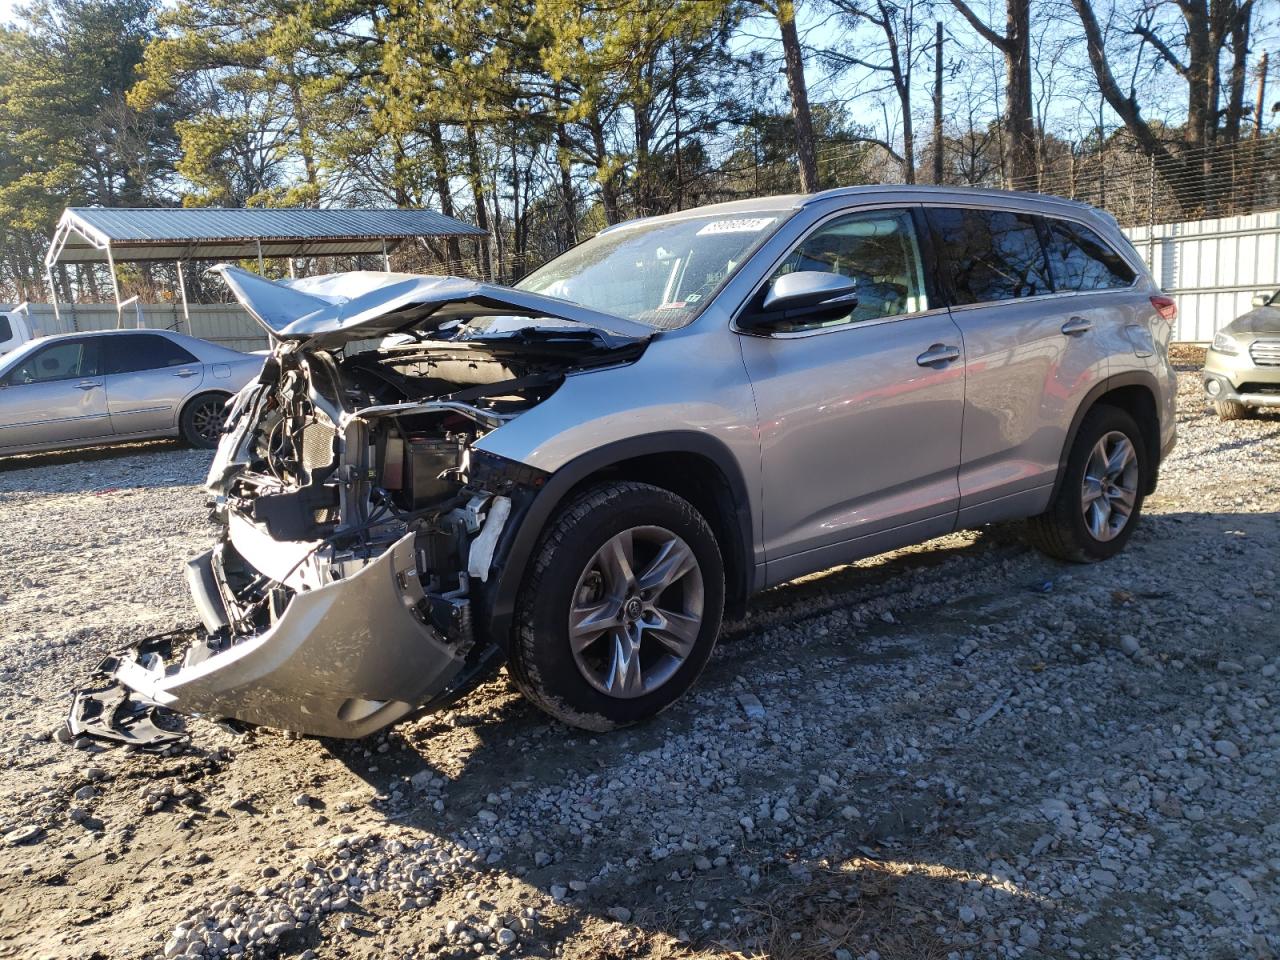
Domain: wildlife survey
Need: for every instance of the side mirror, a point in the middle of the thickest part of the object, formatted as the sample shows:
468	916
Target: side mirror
805	295
1261	299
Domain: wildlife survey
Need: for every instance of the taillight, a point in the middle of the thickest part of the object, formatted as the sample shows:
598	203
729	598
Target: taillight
1165	306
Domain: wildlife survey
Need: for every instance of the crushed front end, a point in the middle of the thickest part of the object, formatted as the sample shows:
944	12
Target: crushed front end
358	531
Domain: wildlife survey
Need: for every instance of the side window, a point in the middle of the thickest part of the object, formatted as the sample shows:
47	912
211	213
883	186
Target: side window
131	352
991	254
58	361
1082	260
6	329
878	251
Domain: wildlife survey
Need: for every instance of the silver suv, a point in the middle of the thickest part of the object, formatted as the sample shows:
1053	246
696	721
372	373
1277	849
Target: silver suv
581	476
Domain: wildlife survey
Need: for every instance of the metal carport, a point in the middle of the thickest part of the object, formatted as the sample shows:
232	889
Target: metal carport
114	235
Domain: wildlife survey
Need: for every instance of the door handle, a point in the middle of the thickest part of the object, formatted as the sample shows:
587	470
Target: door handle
185	373
1077	325
939	353
87	384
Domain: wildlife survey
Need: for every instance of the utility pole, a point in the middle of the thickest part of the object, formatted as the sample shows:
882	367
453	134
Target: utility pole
1262	96
937	104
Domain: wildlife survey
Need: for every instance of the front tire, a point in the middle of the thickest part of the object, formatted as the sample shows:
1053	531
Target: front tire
202	419
1232	410
1097	505
620	609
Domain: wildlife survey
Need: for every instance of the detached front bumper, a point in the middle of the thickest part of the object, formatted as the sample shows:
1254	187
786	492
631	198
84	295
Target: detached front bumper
343	660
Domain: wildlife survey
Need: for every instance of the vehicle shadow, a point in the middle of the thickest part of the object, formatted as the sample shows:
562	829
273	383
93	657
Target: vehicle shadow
677	820
149	463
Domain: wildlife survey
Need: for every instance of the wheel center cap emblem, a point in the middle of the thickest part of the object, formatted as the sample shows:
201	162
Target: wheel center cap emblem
632	609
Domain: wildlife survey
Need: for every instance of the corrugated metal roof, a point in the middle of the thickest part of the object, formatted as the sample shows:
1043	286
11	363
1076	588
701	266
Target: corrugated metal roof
157	233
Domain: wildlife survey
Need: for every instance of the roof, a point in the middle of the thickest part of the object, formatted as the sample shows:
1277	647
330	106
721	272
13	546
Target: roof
159	233
900	191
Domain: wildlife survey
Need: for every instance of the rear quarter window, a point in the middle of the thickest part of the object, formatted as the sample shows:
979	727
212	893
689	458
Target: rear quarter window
1081	260
6	329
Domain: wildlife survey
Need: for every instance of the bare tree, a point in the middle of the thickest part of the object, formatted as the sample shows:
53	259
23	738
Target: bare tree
899	26
1209	29
1019	123
785	12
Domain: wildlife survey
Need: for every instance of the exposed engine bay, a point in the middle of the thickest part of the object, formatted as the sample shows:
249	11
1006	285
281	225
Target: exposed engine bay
360	527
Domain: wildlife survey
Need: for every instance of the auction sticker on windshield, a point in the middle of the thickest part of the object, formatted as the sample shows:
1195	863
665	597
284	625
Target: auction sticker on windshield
741	225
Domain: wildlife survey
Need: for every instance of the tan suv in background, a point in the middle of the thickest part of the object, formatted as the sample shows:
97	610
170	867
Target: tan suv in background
1242	368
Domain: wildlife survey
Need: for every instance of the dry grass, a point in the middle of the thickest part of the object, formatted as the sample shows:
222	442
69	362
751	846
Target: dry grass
1187	356
860	905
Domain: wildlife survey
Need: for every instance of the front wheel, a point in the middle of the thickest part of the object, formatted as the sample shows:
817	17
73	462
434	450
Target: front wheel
620	609
1232	410
1097	504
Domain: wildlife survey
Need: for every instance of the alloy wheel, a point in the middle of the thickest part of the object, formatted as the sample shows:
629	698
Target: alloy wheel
1109	491
207	419
636	612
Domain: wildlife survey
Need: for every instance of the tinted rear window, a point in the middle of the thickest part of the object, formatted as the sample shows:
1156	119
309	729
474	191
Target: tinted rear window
6	330
991	254
1082	260
131	352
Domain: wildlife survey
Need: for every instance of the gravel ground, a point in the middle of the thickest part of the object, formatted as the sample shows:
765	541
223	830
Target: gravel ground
960	749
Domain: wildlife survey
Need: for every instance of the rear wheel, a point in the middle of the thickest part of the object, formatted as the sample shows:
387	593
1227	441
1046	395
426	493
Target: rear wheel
620	609
202	419
1232	410
1098	502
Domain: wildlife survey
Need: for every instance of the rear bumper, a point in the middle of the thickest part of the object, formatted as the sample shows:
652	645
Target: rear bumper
343	660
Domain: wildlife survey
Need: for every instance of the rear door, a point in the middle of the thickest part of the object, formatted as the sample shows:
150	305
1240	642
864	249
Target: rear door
859	416
53	395
148	377
1028	364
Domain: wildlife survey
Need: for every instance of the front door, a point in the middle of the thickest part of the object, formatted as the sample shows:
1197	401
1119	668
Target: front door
54	395
860	415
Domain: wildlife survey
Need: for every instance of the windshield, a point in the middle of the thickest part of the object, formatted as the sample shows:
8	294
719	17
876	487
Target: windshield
659	272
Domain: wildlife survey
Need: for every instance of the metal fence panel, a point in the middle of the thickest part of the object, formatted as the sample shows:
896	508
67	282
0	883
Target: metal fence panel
1212	267
226	324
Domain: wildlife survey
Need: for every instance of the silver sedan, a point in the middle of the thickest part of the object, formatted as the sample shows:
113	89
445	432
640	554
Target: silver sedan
89	389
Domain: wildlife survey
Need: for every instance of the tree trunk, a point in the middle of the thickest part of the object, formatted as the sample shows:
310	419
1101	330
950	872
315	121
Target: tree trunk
794	67
1020	126
604	176
476	177
1184	179
564	161
937	105
440	173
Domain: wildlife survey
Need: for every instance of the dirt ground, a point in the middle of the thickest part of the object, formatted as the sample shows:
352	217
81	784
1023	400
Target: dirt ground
959	749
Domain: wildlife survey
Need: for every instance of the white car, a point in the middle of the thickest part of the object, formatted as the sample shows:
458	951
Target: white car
14	330
90	389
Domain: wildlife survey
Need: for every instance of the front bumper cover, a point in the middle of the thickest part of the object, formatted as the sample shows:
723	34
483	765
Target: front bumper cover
1237	377
343	660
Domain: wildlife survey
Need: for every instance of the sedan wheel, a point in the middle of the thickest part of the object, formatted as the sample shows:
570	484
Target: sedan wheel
202	420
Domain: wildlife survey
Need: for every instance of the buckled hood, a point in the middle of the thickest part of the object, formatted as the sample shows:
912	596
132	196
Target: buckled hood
330	310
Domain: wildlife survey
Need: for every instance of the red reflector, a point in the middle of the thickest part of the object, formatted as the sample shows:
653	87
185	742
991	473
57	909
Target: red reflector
1165	307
